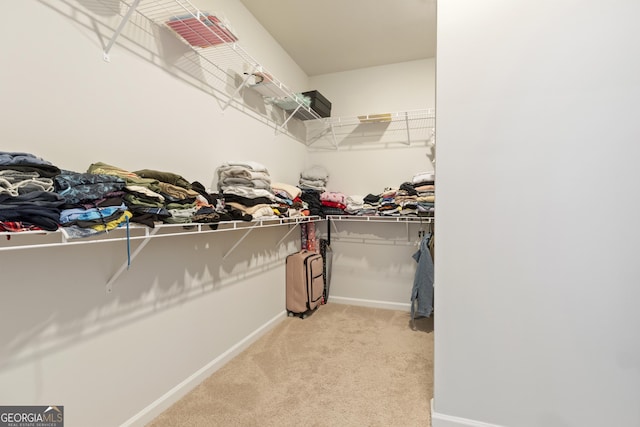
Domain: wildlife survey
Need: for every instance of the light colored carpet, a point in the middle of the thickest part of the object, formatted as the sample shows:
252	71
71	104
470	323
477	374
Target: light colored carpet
342	366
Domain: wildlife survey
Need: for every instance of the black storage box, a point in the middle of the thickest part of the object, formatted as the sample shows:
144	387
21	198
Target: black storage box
319	104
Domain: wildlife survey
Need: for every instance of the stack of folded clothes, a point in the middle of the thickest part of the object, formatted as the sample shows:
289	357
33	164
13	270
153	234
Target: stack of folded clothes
181	200
142	195
93	203
314	178
355	204
313	182
424	185
406	199
388	205
289	201
245	187
371	202
411	198
333	203
27	197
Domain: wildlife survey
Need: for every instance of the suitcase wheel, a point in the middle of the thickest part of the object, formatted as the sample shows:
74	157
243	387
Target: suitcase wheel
290	313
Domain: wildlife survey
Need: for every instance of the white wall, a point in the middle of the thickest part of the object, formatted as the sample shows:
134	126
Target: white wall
383	89
536	272
181	309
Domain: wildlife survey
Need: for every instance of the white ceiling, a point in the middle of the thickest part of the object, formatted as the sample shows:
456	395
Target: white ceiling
328	36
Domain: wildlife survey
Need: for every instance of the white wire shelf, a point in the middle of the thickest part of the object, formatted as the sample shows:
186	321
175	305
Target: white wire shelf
405	127
415	118
380	218
138	232
48	239
409	222
213	41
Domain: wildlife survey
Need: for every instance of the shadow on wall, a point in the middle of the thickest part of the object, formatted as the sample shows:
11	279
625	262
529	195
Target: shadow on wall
388	258
160	47
64	303
375	266
105	8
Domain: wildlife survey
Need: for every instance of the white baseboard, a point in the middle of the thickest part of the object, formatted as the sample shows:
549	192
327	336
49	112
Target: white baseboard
176	393
442	420
370	303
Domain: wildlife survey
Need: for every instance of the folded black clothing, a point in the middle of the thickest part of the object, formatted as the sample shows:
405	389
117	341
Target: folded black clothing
39	208
233	214
387	207
312	198
212	198
111	199
160	212
148	215
115	198
372	198
206	214
246	201
145	219
408	187
327	210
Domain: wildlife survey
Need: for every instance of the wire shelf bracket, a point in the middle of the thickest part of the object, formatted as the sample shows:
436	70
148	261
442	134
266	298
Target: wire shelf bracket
125	265
124	21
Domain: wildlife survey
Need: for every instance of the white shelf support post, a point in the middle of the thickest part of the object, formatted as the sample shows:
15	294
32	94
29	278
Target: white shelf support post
406	120
323	132
64	235
244	236
333	136
408	231
134	254
239	88
124	21
335	227
279	129
287	233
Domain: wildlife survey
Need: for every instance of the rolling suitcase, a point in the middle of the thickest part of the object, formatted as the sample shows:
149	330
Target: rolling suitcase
304	281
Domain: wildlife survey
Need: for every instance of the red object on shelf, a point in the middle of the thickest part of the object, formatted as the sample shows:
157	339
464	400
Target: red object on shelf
204	32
